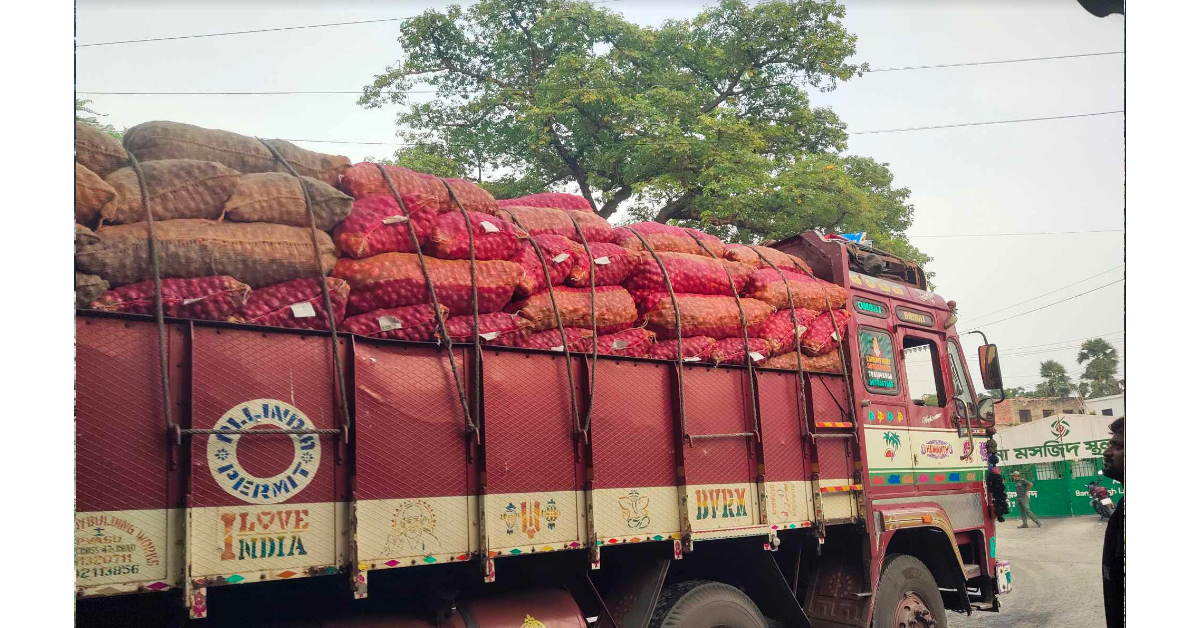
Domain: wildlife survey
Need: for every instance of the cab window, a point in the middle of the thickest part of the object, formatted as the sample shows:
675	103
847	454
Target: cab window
922	372
958	375
878	361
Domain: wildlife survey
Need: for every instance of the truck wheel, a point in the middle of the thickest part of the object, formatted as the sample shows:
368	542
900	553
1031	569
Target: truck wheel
907	596
701	604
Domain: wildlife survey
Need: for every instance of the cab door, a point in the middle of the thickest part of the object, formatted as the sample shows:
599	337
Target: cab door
933	442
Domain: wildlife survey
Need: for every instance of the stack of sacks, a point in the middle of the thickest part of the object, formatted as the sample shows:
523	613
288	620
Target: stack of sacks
235	244
224	211
829	363
556	200
764	257
706	298
668	238
364	181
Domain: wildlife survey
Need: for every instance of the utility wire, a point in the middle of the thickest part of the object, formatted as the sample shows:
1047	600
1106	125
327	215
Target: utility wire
1059	289
246	32
268	30
1057	349
954	126
1015	233
1060	342
678	142
1074	296
974	63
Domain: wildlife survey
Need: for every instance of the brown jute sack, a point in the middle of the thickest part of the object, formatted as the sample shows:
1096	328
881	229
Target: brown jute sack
276	197
84	237
178	188
88	288
258	254
175	140
98	151
91	193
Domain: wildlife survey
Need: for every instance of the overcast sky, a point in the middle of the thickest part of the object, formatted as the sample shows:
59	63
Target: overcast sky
1057	175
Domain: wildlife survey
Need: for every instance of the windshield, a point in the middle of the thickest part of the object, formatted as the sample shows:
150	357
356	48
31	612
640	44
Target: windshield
962	382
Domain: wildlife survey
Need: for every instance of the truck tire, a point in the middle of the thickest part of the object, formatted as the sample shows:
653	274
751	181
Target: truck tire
702	604
907	596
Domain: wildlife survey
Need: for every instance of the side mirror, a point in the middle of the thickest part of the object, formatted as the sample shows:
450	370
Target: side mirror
989	367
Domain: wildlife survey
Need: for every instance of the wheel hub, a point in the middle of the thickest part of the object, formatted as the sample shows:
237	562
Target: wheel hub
911	612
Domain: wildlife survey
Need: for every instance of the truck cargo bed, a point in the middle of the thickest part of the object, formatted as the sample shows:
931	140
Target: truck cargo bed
407	483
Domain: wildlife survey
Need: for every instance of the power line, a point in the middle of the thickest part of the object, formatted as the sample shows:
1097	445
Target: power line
974	63
1015	233
679	142
1104	335
246	32
1074	296
1055	349
1059	289
954	126
268	30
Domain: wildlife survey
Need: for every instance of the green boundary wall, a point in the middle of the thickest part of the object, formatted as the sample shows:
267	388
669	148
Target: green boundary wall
1060	487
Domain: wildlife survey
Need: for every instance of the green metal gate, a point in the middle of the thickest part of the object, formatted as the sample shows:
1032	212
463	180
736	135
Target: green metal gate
1059	488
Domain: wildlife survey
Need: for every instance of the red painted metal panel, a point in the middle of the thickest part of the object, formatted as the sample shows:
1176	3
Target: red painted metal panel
528	427
834	458
410	433
716	402
234	366
827	398
633	433
779	411
122	454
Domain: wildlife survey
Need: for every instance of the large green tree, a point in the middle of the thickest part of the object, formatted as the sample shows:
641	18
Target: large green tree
1055	381
704	121
1101	370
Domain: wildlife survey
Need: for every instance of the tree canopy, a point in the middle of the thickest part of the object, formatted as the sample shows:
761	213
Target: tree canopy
703	121
1101	370
1055	381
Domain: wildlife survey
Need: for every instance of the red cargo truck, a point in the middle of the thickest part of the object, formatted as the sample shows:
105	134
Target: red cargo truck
535	488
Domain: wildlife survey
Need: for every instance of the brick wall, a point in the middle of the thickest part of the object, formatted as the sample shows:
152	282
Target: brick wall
1008	412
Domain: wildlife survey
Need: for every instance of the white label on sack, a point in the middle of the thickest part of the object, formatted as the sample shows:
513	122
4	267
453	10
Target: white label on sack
489	227
391	220
800	329
388	323
756	356
617	345
491	335
303	310
835	336
600	261
560	258
191	301
694	358
558	348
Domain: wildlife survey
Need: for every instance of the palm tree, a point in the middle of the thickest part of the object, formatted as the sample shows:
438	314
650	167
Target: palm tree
1101	371
1055	381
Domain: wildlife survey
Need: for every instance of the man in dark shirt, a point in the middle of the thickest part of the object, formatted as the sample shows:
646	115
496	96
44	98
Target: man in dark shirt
1113	560
1023	487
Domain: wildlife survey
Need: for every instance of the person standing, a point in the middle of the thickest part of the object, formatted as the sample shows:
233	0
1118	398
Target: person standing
1023	487
1112	563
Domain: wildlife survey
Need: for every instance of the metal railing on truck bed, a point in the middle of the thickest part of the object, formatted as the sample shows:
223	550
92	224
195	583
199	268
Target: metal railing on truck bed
237	498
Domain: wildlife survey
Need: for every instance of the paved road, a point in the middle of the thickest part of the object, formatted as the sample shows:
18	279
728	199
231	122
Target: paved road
1056	576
